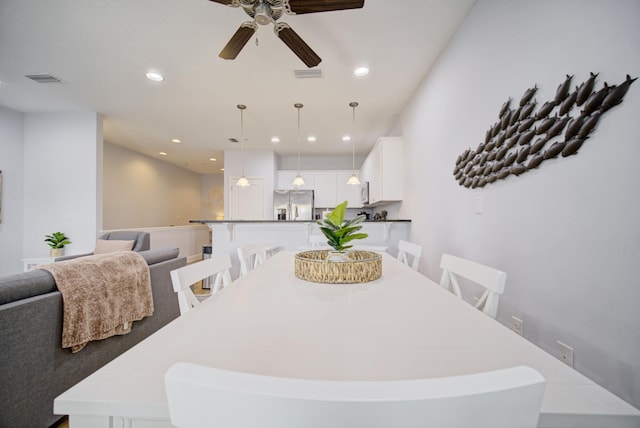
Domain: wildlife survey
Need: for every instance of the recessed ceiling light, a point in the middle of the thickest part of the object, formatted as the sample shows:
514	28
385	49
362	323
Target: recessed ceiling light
346	138
156	77
176	140
213	159
275	139
361	71
311	138
162	153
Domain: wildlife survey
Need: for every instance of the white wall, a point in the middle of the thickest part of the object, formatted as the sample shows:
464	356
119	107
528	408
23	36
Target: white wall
568	233
11	165
320	162
62	153
140	191
212	197
257	164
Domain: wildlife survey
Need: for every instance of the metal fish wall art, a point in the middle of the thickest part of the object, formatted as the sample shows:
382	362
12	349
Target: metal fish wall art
509	147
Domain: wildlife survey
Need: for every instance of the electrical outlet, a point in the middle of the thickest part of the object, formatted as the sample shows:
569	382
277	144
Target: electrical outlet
565	353
517	325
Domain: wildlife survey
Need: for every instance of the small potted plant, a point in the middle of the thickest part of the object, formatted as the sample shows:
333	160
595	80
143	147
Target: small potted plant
340	232
57	241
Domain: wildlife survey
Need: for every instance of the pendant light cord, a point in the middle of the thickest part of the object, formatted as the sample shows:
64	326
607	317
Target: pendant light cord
353	139
298	106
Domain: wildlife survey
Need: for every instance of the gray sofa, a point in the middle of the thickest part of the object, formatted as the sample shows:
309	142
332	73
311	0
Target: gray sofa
34	368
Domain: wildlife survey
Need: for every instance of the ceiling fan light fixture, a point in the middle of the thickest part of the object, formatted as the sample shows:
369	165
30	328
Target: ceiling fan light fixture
263	14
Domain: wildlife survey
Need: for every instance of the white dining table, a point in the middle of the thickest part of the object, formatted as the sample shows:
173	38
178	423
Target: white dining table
401	326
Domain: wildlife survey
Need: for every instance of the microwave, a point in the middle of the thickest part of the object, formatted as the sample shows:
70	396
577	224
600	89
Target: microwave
364	193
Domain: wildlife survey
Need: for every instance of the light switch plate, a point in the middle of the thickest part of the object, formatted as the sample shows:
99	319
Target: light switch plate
565	353
517	325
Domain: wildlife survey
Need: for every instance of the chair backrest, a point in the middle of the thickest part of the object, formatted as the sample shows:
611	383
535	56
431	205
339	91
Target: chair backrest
141	240
201	396
184	277
378	248
407	250
491	279
251	256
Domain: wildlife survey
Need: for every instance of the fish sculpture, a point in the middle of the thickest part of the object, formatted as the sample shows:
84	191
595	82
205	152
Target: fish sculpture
505	108
563	90
588	125
526	124
526	110
585	89
614	97
528	94
538	145
568	103
572	146
594	102
523	154
545	110
573	127
508	149
535	161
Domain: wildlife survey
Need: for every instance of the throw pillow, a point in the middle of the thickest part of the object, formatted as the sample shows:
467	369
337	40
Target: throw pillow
110	245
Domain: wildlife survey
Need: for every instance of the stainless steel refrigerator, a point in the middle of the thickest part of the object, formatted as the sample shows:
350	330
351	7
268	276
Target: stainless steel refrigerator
293	204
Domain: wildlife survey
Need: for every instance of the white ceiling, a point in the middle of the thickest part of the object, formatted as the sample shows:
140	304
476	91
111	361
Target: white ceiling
101	50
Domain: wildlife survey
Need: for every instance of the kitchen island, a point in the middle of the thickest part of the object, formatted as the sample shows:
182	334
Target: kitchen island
228	235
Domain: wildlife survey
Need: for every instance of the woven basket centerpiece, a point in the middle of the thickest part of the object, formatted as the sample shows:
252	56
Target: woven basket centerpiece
321	266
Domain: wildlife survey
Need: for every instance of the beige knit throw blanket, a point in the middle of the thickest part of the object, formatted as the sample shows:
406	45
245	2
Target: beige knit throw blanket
101	295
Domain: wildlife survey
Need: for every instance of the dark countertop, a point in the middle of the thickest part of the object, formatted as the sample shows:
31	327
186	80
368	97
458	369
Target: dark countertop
286	221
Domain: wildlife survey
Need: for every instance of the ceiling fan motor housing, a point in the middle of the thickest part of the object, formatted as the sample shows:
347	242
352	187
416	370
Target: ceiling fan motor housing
263	14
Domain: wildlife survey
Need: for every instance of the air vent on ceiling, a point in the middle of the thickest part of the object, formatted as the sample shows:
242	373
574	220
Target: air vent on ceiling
43	78
313	73
234	140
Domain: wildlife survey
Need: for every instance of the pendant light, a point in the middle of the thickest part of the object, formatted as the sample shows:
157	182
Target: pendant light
298	181
353	180
242	181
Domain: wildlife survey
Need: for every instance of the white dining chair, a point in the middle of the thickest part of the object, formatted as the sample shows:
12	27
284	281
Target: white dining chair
201	396
184	277
491	279
409	253
251	256
318	241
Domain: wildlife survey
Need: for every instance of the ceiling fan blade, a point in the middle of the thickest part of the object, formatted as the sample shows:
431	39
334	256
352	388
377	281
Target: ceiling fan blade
238	40
312	6
297	45
227	2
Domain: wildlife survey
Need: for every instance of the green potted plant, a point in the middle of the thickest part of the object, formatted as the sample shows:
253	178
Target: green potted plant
57	241
340	232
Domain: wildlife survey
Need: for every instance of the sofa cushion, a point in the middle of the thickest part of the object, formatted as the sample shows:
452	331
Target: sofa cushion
112	245
160	254
24	285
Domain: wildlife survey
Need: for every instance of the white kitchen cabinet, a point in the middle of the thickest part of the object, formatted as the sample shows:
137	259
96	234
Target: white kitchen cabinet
329	187
347	192
324	189
284	179
384	169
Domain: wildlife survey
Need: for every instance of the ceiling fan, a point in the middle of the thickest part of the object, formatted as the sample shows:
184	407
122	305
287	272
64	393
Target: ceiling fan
265	12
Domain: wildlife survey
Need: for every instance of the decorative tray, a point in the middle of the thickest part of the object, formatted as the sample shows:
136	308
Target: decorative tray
331	267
